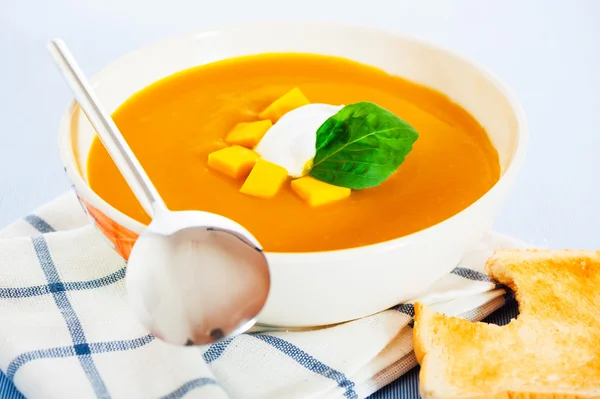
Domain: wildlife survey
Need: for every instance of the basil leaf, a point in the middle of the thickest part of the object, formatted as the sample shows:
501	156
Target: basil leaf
361	146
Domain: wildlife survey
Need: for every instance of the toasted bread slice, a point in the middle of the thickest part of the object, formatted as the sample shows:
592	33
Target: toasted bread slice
552	349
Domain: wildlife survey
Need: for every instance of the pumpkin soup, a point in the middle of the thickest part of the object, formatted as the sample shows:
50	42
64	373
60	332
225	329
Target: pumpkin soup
186	129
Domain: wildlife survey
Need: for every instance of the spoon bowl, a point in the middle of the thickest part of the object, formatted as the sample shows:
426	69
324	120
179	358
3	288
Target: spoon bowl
191	283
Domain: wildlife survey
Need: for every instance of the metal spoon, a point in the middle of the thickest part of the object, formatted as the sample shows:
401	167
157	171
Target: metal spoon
193	277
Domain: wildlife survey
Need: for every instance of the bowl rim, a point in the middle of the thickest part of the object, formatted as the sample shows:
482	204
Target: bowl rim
67	152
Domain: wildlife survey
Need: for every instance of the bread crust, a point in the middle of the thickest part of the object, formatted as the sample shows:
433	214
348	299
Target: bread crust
558	329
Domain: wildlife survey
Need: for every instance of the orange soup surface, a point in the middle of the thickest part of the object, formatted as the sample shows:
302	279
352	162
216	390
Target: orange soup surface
176	122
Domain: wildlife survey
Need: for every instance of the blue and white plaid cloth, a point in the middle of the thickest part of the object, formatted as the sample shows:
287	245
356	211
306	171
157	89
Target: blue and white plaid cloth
66	330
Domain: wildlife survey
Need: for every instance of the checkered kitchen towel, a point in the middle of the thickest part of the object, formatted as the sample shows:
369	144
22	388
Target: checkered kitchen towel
66	330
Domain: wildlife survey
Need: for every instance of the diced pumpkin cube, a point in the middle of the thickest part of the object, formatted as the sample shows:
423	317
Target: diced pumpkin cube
291	100
264	180
317	192
234	161
248	134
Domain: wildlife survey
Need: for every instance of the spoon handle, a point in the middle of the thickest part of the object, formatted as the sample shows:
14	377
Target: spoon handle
109	134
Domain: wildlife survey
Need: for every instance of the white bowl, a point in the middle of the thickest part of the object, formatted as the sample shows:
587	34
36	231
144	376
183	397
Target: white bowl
310	289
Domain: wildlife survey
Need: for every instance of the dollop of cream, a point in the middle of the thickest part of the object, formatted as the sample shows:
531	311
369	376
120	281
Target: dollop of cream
291	141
